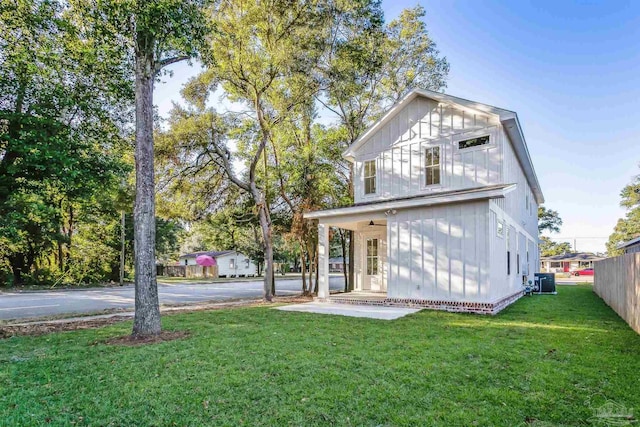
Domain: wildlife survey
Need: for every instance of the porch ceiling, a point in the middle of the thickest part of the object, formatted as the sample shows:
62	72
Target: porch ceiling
357	222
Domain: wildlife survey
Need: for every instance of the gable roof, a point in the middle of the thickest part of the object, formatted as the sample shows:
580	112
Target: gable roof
508	118
628	243
212	254
573	256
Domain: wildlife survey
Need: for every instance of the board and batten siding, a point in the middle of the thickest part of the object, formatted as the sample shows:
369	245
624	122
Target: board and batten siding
518	241
515	202
439	253
398	149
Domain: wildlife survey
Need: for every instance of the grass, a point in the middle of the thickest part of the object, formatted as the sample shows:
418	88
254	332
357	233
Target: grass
546	360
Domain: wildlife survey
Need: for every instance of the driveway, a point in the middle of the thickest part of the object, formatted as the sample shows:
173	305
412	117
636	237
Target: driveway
20	305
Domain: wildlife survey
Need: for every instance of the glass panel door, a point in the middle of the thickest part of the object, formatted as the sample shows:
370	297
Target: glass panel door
372	257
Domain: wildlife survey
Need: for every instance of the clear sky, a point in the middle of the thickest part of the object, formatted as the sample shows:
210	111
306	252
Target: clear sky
571	70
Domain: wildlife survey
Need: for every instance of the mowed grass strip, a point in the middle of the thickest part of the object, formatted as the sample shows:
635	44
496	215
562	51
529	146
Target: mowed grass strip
546	360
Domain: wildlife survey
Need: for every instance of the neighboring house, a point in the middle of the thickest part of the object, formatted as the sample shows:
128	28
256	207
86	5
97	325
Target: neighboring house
336	264
230	263
445	212
630	247
568	262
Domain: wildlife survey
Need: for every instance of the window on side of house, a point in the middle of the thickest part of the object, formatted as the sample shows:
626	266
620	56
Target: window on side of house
232	263
370	177
473	142
527	206
509	262
247	262
432	166
518	263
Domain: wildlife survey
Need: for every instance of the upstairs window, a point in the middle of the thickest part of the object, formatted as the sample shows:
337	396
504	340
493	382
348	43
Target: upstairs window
370	177
432	166
473	142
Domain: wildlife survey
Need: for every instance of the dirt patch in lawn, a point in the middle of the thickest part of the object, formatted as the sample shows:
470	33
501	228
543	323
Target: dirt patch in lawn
8	331
133	341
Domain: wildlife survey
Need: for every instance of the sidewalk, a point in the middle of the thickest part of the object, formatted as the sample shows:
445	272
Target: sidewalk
573	280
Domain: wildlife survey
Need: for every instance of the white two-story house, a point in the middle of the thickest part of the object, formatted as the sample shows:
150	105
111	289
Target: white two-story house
445	212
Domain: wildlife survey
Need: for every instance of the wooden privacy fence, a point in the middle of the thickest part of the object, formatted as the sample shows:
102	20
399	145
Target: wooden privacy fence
617	282
187	271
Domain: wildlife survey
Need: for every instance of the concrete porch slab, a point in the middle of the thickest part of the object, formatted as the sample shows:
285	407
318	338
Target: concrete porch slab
368	311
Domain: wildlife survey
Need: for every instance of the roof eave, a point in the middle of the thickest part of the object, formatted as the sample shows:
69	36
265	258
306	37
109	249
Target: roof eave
628	243
428	200
514	131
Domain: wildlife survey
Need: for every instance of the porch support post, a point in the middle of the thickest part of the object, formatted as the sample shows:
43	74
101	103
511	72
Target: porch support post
323	261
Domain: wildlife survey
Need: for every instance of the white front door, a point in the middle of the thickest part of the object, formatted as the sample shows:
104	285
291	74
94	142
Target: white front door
373	252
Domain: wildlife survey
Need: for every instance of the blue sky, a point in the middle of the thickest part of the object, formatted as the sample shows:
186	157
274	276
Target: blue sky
571	70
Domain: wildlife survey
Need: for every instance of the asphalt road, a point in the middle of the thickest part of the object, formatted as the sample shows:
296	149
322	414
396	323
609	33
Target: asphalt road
20	305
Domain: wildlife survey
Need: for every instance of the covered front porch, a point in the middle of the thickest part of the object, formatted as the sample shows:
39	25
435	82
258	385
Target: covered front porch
370	253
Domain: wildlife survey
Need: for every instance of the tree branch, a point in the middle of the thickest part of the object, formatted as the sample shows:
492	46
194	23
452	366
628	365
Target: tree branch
169	61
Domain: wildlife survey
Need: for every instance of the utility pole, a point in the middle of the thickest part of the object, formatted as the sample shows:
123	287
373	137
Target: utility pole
122	237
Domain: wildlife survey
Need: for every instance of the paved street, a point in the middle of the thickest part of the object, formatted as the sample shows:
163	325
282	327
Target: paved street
20	305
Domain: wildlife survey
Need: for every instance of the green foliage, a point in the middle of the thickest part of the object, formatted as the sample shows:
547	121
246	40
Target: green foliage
626	228
549	248
549	220
411	57
234	227
550	360
61	134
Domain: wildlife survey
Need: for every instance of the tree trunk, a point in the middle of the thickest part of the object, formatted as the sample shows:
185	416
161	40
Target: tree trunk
265	225
303	270
147	312
273	282
17	268
69	238
60	257
316	272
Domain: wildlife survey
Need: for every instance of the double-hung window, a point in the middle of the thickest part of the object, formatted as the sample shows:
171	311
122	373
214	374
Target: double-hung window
370	177
432	166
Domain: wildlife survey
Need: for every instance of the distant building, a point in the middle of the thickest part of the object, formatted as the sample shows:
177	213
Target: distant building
630	247
336	264
230	263
568	262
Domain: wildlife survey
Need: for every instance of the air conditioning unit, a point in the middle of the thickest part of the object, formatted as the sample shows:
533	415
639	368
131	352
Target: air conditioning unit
525	269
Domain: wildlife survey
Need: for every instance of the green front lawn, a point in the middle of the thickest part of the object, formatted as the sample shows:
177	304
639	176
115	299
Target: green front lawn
547	360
